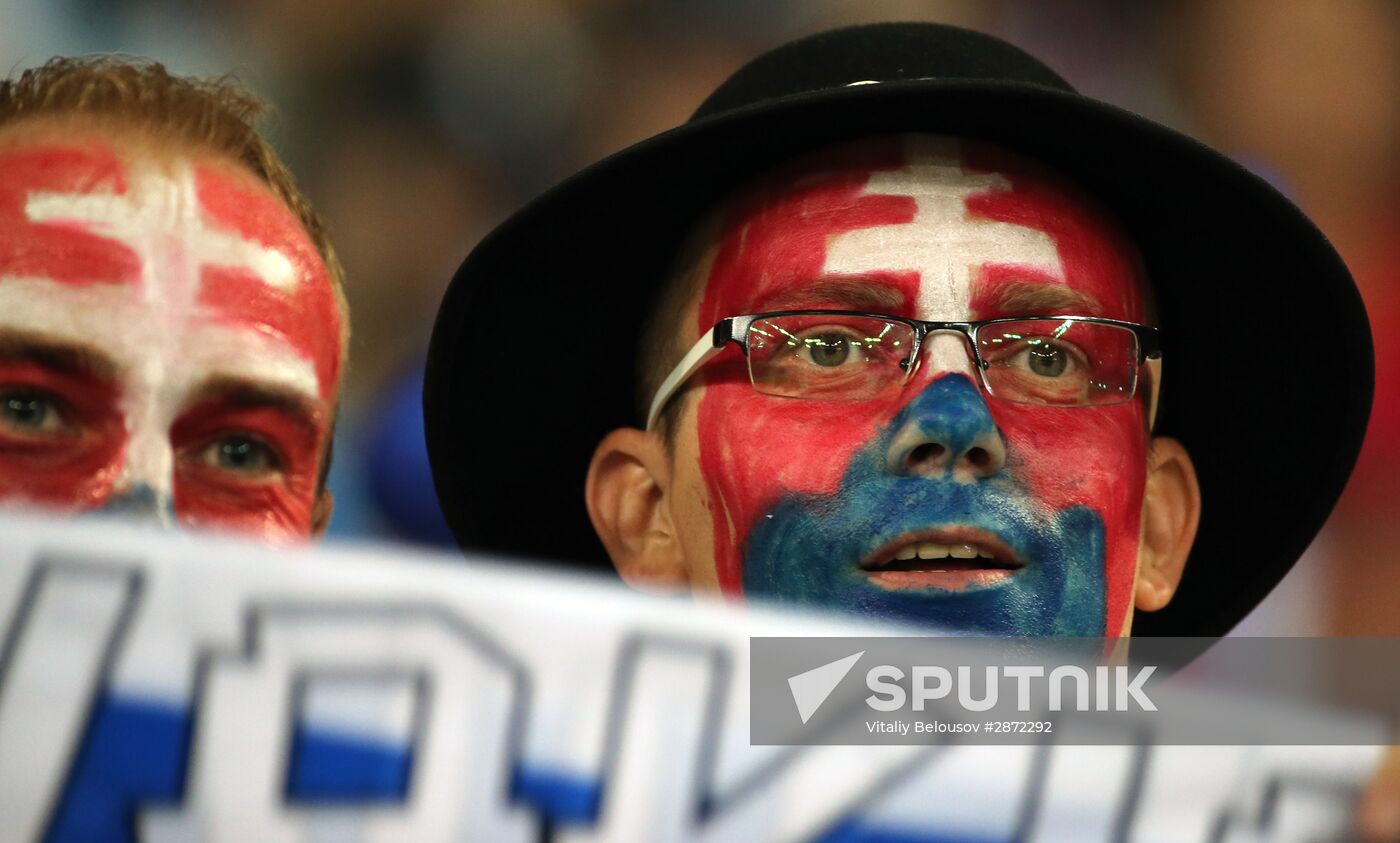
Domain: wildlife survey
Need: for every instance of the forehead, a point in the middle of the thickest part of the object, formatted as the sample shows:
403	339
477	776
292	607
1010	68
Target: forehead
121	246
956	228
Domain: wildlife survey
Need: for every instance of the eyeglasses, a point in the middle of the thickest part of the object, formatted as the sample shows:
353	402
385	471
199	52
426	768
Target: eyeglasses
838	355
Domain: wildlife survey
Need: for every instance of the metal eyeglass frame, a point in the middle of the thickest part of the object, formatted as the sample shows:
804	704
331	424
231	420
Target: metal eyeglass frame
735	329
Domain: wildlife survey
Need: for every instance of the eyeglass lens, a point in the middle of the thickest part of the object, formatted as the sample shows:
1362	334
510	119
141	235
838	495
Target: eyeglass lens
828	356
1036	361
1059	362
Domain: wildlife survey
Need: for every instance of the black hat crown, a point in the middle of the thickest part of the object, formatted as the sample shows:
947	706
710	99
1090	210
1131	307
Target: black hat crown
880	52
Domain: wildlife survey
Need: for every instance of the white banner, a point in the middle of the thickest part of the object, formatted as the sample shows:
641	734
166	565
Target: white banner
173	688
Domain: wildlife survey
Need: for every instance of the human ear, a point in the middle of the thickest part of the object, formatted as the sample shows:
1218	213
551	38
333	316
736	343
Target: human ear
1171	509
321	513
626	495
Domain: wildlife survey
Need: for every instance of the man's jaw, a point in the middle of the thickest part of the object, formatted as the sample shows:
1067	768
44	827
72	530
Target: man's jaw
952	558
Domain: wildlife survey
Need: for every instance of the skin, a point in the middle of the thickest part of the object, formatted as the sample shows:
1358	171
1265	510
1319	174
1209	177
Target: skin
784	499
170	342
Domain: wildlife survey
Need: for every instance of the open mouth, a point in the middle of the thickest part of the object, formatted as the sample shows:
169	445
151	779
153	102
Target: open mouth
951	559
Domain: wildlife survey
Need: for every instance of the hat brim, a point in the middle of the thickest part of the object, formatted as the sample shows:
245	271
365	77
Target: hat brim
1267	352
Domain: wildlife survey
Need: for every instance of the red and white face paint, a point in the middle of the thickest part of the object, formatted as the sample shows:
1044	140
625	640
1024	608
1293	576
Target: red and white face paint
936	229
168	335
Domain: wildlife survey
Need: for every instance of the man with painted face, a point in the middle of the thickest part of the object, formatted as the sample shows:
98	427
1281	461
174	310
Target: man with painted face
899	323
172	328
969	335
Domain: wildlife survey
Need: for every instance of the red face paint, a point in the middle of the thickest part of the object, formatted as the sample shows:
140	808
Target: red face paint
65	253
68	450
132	290
307	317
950	231
272	500
1095	456
774	244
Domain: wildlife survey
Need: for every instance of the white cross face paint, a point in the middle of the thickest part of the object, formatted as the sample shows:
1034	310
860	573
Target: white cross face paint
943	243
190	294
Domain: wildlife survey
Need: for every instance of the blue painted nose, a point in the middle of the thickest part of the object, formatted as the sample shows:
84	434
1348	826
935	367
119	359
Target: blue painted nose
947	431
141	504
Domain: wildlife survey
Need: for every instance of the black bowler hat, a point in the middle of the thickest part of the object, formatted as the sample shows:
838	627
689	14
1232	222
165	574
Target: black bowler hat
1267	366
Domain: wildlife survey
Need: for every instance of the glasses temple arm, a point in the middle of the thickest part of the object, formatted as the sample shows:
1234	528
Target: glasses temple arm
705	348
1149	340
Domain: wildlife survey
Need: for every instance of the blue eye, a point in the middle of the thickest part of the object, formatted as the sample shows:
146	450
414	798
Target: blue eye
239	453
30	411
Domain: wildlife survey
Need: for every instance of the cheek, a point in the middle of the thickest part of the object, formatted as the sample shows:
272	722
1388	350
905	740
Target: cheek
273	514
1072	456
1097	458
754	449
69	476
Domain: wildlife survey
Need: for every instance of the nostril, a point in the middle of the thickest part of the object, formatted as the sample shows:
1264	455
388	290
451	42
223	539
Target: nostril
979	457
925	453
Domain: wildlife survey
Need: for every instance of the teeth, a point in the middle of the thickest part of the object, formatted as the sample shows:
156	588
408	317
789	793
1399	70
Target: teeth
929	550
932	550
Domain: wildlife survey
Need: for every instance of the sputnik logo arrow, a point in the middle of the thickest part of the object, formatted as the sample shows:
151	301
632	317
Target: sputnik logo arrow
811	688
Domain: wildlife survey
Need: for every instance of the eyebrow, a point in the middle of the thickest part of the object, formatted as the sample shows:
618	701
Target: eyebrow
63	357
855	292
242	393
1040	298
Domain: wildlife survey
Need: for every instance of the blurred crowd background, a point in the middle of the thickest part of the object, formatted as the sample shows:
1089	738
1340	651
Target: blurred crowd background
416	125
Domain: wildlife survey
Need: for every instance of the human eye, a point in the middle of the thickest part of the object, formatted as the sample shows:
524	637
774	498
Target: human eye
827	355
1033	349
832	346
1043	357
32	412
243	455
1058	361
1040	368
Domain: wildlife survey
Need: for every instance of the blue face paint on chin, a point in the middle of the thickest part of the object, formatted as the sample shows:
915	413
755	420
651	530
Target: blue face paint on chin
807	549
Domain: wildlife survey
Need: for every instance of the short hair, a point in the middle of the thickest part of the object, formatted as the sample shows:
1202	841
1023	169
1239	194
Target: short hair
219	116
214	115
664	338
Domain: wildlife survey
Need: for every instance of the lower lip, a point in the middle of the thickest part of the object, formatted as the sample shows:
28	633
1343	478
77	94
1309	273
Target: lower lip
966	580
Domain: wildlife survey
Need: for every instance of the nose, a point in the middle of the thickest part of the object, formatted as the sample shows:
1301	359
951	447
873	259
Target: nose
947	431
142	491
141	503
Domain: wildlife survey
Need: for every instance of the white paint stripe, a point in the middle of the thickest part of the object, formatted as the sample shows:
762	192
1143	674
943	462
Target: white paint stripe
110	319
148	207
